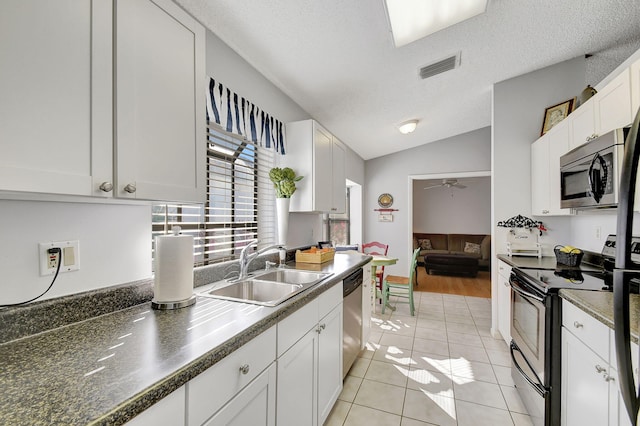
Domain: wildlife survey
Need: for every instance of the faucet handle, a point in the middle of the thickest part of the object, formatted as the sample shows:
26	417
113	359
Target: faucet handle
268	265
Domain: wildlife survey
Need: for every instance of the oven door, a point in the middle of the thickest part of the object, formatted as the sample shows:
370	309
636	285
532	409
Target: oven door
528	322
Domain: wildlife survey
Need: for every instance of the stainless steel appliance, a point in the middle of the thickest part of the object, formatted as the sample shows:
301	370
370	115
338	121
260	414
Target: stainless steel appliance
589	174
627	270
536	321
352	319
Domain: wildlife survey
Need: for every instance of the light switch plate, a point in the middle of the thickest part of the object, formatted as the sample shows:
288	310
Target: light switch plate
69	256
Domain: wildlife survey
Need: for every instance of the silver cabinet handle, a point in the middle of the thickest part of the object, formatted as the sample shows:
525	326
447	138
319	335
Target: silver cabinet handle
609	378
545	211
320	328
106	186
130	188
576	324
244	369
600	369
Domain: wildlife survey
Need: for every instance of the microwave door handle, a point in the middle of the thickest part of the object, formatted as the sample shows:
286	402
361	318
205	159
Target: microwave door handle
526	294
597	177
536	385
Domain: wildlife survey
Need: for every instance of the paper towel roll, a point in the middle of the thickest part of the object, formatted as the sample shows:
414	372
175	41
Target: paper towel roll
174	268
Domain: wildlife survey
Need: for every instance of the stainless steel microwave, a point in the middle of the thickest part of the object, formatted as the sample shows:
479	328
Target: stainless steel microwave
589	174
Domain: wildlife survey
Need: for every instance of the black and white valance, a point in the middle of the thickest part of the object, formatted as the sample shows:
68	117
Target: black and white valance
238	115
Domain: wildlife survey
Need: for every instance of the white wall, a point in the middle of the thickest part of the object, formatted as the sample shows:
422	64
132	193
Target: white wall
390	173
115	246
451	210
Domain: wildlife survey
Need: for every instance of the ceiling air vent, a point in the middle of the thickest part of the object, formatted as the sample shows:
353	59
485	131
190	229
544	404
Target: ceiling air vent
439	67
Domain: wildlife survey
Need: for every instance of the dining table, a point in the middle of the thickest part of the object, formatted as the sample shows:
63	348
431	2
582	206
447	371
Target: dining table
380	260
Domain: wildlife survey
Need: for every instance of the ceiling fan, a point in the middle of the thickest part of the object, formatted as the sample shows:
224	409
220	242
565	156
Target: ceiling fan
448	183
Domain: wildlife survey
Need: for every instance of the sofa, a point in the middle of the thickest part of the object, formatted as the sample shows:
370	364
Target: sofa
476	246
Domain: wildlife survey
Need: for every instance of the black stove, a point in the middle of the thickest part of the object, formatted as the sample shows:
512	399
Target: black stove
596	276
548	281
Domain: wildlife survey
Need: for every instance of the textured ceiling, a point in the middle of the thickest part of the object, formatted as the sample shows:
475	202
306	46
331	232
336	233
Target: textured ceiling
336	59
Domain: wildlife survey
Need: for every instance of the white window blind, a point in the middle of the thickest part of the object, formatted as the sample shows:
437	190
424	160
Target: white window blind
240	200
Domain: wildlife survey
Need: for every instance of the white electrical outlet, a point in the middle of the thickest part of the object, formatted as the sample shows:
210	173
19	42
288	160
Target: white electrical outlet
69	257
598	232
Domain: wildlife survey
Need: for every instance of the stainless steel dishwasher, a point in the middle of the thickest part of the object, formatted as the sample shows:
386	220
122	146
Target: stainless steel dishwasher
352	319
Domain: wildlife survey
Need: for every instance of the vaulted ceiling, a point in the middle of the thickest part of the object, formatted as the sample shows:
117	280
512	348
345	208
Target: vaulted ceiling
337	60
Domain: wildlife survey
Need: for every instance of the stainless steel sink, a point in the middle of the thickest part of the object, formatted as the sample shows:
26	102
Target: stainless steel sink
269	288
292	276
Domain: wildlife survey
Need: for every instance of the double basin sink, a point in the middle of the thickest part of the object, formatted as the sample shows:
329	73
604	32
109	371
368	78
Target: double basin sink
267	288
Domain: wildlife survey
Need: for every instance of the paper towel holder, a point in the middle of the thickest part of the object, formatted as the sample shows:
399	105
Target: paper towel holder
173	305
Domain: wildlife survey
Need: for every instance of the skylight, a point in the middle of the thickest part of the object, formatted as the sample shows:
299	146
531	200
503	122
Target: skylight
414	19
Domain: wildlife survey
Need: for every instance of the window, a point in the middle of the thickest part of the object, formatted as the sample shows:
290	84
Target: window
338	225
239	205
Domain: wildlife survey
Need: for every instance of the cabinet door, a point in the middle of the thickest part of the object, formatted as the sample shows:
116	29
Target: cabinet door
168	411
160	78
255	405
55	108
329	362
322	169
368	298
613	104
558	146
582	124
339	187
504	302
297	383
585	392
540	176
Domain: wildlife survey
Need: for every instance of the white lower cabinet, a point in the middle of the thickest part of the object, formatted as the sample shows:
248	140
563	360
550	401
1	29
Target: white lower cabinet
255	405
590	393
504	301
310	368
368	299
585	391
168	411
225	383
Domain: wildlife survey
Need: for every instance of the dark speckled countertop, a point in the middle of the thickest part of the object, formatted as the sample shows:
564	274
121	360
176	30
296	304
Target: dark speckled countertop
106	369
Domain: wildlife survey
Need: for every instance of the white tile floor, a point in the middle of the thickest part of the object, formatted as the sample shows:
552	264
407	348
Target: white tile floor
440	367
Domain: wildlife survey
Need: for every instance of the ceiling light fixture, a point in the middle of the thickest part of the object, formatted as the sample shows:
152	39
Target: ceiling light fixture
413	19
408	126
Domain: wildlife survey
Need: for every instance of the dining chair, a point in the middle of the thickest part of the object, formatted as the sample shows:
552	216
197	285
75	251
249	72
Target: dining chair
399	286
380	249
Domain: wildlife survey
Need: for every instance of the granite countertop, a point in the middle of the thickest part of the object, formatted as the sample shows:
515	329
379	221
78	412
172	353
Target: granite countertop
106	369
599	304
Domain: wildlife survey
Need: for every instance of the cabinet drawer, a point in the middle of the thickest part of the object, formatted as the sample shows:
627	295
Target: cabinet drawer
209	391
296	325
329	300
504	269
589	330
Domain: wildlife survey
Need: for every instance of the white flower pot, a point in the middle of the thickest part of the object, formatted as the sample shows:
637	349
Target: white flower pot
282	213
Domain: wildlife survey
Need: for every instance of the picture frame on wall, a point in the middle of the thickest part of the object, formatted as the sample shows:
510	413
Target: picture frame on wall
555	114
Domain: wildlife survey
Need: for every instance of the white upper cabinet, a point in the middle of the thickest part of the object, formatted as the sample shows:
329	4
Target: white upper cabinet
65	116
545	171
607	110
56	85
317	155
160	86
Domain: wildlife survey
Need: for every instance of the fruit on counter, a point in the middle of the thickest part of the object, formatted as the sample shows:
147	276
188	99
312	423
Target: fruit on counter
570	249
317	250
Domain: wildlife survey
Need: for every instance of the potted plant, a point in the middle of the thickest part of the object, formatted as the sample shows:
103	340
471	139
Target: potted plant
284	181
